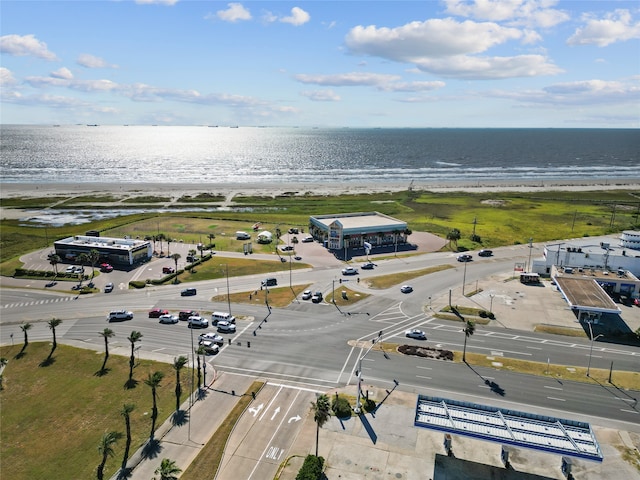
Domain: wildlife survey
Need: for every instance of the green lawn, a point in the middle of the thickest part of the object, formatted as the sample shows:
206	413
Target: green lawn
54	415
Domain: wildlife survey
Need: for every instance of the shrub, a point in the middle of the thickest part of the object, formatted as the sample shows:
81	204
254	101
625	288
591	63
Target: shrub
482	314
476	238
369	405
137	284
311	468
491	316
341	407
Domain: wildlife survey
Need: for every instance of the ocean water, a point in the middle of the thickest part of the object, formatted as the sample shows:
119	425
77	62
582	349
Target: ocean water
222	155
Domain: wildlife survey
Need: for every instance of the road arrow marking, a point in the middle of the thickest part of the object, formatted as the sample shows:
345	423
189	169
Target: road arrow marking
297	418
276	412
256	410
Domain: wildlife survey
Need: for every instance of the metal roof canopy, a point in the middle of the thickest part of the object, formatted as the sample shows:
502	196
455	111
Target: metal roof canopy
509	427
586	294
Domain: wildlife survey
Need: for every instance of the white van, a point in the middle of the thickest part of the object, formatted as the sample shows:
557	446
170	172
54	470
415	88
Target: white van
222	317
242	236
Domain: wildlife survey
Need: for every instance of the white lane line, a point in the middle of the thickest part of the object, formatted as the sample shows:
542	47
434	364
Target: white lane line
629	411
558	399
553	388
424	368
422	376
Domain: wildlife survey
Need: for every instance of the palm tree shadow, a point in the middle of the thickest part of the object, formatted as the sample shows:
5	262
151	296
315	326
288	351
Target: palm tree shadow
102	372
151	449
180	417
493	386
124	473
129	384
202	394
47	362
20	354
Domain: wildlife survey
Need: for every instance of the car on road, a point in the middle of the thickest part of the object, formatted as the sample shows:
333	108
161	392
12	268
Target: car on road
168	270
406	289
317	297
465	257
185	314
270	282
211	337
119	315
286	248
105	267
368	266
197	321
415	333
157	312
188	292
168	318
349	271
485	253
108	288
226	327
306	295
209	348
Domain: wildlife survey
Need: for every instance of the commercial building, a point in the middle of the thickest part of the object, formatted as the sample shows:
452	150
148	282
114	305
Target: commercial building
358	230
116	251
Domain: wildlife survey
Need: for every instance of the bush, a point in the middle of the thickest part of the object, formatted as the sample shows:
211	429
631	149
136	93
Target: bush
369	405
137	284
482	314
311	468
341	407
491	316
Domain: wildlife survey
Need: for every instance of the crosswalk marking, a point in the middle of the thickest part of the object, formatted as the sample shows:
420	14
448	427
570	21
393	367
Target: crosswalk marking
37	302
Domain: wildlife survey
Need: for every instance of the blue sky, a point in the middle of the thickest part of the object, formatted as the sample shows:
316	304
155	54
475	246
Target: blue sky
449	63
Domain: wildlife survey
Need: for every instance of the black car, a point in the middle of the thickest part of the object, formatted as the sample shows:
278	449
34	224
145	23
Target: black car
317	297
368	266
485	253
465	257
188	292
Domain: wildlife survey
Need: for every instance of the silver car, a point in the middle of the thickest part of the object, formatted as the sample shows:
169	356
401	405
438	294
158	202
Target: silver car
226	327
168	319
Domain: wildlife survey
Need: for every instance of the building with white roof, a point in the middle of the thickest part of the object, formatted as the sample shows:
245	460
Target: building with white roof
116	251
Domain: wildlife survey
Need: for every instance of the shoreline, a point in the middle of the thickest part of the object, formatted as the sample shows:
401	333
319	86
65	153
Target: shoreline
176	190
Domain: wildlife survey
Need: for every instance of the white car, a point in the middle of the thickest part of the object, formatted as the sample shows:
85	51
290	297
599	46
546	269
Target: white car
306	295
168	319
307	239
119	315
349	271
211	337
406	289
226	327
415	333
70	269
209	348
197	321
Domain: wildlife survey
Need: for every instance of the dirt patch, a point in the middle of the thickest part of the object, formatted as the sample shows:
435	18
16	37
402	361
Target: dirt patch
426	352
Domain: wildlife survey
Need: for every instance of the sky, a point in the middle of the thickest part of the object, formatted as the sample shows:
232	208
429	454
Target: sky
448	63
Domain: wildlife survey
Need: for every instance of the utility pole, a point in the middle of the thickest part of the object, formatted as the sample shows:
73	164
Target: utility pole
358	408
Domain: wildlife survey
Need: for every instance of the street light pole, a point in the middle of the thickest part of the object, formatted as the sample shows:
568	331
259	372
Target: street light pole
491	304
591	349
464	277
530	247
228	296
359	401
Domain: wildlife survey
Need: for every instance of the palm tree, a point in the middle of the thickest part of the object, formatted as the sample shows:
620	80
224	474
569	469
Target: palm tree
105	448
168	470
54	260
295	241
83	259
25	327
133	338
107	333
53	323
453	236
126	410
153	381
178	364
176	257
93	258
193	251
169	240
469	329
321	414
211	236
160	237
200	351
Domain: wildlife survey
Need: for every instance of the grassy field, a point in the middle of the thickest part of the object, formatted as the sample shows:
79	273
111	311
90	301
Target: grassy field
54	413
502	218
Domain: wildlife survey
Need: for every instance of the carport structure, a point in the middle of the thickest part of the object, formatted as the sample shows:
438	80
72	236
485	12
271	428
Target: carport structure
586	296
568	438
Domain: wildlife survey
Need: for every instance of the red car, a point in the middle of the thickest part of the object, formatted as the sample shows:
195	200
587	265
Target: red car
167	270
158	312
105	267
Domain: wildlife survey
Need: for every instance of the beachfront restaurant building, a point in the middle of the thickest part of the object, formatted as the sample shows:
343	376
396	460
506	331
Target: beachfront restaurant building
115	251
358	230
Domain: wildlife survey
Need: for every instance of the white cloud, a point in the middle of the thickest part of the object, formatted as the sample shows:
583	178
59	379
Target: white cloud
156	2
412	86
617	26
91	61
298	17
6	77
25	45
486	68
321	95
234	13
347	79
63	73
534	13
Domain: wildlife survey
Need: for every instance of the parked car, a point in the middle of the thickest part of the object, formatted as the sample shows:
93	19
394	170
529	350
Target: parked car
168	270
317	297
185	314
191	258
188	292
70	269
415	333
198	321
485	253
465	257
167	318
306	295
78	270
119	315
368	266
157	312
307	239
226	327
349	271
222	317
406	289
286	248
108	288
209	348
211	337
105	267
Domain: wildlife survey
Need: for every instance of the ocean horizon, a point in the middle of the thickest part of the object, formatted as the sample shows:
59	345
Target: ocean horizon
80	154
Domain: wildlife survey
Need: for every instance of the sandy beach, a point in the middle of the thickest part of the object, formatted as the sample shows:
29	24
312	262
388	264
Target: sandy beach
177	190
